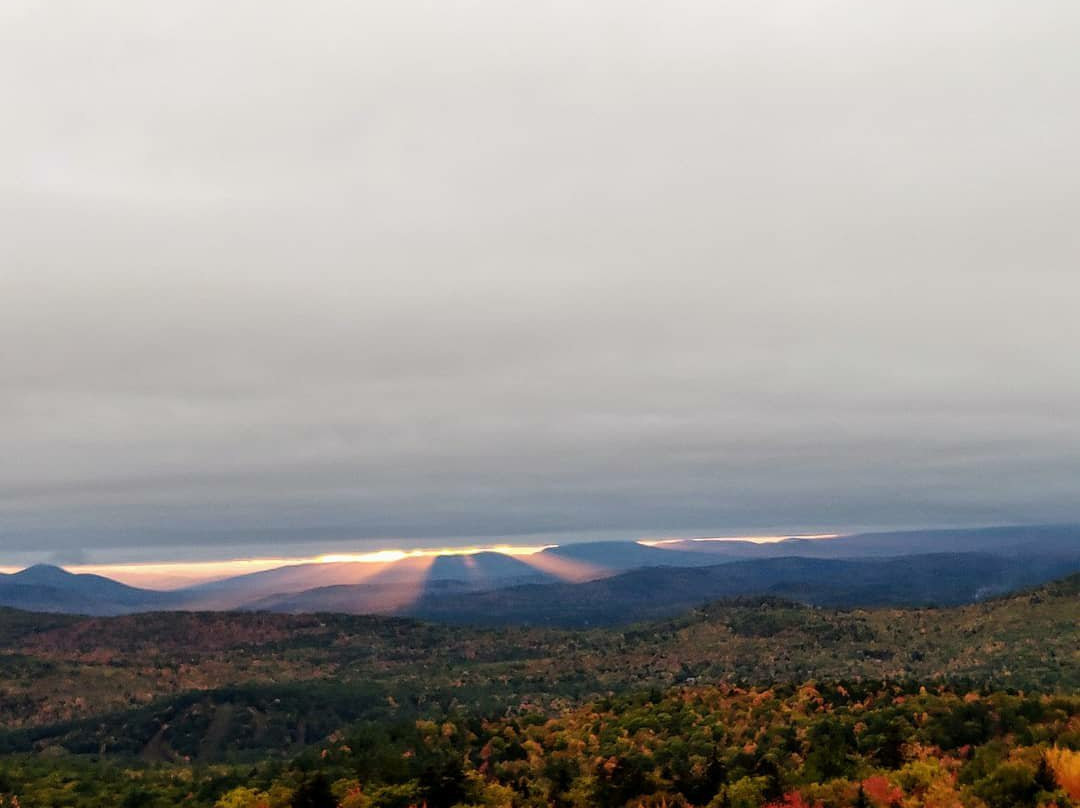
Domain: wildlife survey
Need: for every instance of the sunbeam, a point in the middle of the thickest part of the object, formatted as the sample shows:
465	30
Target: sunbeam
566	569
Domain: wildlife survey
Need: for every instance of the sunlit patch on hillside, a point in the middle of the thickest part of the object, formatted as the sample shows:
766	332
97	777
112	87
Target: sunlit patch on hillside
391	587
566	569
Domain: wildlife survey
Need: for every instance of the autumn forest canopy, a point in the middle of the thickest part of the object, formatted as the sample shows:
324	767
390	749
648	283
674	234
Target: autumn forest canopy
743	703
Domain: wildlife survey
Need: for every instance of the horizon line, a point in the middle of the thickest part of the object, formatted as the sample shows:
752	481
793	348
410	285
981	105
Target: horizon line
169	575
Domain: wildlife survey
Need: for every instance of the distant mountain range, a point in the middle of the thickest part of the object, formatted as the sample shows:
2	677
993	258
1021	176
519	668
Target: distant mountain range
599	583
1012	541
45	588
939	579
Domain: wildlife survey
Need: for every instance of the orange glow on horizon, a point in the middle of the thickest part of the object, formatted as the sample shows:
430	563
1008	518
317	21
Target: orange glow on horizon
383	556
178	574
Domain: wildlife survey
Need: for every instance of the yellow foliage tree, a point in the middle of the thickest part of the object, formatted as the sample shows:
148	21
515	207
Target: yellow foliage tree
243	798
1065	764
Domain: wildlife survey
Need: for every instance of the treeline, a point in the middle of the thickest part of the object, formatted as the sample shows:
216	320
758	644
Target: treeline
845	745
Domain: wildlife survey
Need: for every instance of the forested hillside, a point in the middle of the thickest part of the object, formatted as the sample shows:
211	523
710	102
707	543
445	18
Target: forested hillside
838	745
201	698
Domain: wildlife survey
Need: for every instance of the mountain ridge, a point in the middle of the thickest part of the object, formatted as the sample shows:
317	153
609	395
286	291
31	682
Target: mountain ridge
436	586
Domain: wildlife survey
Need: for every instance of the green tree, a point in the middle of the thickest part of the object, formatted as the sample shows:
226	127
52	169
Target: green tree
314	792
831	743
1010	785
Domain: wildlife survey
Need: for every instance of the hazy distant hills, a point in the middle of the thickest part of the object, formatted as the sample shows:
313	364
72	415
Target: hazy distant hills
942	579
472	572
611	556
604	582
45	588
390	598
1016	541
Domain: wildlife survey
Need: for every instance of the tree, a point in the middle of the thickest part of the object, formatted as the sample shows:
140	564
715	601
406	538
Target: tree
830	745
138	797
880	792
793	799
747	792
861	800
243	798
1065	764
1010	785
314	792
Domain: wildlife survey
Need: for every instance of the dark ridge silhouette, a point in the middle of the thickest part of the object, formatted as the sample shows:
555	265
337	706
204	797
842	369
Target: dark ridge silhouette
47	588
909	567
926	580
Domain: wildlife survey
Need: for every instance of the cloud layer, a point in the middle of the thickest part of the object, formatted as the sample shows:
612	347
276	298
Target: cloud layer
275	273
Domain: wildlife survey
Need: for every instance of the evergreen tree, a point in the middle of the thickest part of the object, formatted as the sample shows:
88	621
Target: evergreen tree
314	792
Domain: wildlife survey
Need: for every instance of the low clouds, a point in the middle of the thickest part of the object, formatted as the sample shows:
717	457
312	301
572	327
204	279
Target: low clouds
274	274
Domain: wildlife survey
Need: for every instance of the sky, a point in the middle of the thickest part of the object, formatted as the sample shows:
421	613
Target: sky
285	279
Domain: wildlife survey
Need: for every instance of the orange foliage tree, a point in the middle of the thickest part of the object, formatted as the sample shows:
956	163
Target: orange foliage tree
1065	764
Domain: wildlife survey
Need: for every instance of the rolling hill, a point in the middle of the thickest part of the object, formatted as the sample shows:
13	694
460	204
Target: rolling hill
217	686
923	580
1017	541
47	588
593	583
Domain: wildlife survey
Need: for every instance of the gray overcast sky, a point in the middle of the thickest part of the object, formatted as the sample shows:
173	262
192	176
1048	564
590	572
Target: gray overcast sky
275	273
